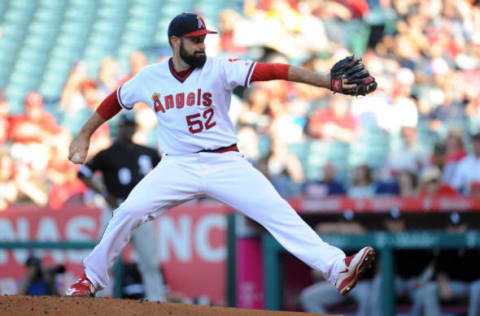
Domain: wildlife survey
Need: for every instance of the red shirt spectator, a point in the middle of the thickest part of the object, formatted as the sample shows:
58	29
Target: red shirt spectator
34	124
335	123
454	153
431	185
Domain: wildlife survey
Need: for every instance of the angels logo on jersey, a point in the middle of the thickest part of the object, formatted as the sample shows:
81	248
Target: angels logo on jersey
180	100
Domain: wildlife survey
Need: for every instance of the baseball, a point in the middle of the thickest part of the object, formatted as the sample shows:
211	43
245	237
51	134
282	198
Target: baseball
77	158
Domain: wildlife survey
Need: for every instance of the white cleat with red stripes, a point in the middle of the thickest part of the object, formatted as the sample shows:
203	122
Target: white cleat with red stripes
356	265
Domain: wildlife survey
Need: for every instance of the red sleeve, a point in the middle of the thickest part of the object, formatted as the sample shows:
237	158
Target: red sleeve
270	71
109	106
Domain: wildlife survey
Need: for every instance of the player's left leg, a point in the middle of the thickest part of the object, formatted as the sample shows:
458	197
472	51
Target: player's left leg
232	180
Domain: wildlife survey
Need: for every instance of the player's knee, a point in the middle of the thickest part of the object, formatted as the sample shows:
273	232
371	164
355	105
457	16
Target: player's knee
431	288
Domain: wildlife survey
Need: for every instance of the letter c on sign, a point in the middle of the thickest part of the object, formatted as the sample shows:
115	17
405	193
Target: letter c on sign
204	226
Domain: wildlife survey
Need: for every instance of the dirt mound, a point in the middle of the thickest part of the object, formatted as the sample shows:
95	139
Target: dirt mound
44	305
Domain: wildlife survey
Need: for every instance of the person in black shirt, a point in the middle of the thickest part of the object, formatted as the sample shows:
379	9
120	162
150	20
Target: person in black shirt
122	166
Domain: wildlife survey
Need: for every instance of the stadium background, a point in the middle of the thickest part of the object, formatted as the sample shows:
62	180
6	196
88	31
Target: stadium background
393	155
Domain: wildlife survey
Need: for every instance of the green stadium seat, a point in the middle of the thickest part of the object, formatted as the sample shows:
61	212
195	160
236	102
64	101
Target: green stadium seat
81	13
22	5
3	8
15	17
76	30
51	16
51	89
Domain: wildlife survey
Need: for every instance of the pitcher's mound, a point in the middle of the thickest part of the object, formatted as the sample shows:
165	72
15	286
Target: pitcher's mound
61	306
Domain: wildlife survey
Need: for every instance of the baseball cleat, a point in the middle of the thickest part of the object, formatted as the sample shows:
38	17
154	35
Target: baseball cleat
81	287
356	264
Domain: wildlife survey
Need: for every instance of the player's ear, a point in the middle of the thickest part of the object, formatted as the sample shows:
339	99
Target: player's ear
174	41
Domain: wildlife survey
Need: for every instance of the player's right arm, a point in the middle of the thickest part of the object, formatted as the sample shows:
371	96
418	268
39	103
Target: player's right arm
106	110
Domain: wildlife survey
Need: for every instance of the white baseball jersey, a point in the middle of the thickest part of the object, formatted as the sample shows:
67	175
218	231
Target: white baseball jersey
192	110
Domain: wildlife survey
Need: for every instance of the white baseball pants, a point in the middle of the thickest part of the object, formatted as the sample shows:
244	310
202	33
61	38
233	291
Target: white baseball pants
227	177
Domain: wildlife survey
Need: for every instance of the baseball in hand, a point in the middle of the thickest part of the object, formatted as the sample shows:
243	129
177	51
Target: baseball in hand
77	158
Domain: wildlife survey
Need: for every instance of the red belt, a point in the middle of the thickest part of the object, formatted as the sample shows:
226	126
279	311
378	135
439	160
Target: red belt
221	149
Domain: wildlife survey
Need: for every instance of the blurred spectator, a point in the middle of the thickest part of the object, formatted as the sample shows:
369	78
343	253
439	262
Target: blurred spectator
438	156
61	174
455	270
279	25
282	168
328	186
31	132
431	185
362	183
407	184
35	124
31	186
39	281
289	121
138	60
411	155
227	20
452	110
72	98
403	111
256	105
335	123
410	275
467	175
79	98
8	187
108	76
317	297
455	152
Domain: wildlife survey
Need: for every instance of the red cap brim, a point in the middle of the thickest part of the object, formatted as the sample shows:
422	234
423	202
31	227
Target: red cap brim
199	33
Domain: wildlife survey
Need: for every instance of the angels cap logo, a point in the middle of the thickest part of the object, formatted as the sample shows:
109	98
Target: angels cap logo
201	24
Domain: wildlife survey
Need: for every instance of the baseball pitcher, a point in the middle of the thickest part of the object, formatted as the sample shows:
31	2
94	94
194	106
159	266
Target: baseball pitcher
190	94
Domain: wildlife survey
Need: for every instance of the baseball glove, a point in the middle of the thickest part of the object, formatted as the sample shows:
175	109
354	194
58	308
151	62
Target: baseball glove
352	69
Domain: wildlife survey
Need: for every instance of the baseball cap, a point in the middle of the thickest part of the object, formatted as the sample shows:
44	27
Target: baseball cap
432	173
188	25
126	118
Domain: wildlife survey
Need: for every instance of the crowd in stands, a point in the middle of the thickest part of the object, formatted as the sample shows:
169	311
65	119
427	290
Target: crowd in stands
417	135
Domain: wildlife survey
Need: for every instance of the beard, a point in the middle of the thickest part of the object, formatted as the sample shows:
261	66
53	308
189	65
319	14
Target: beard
195	60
